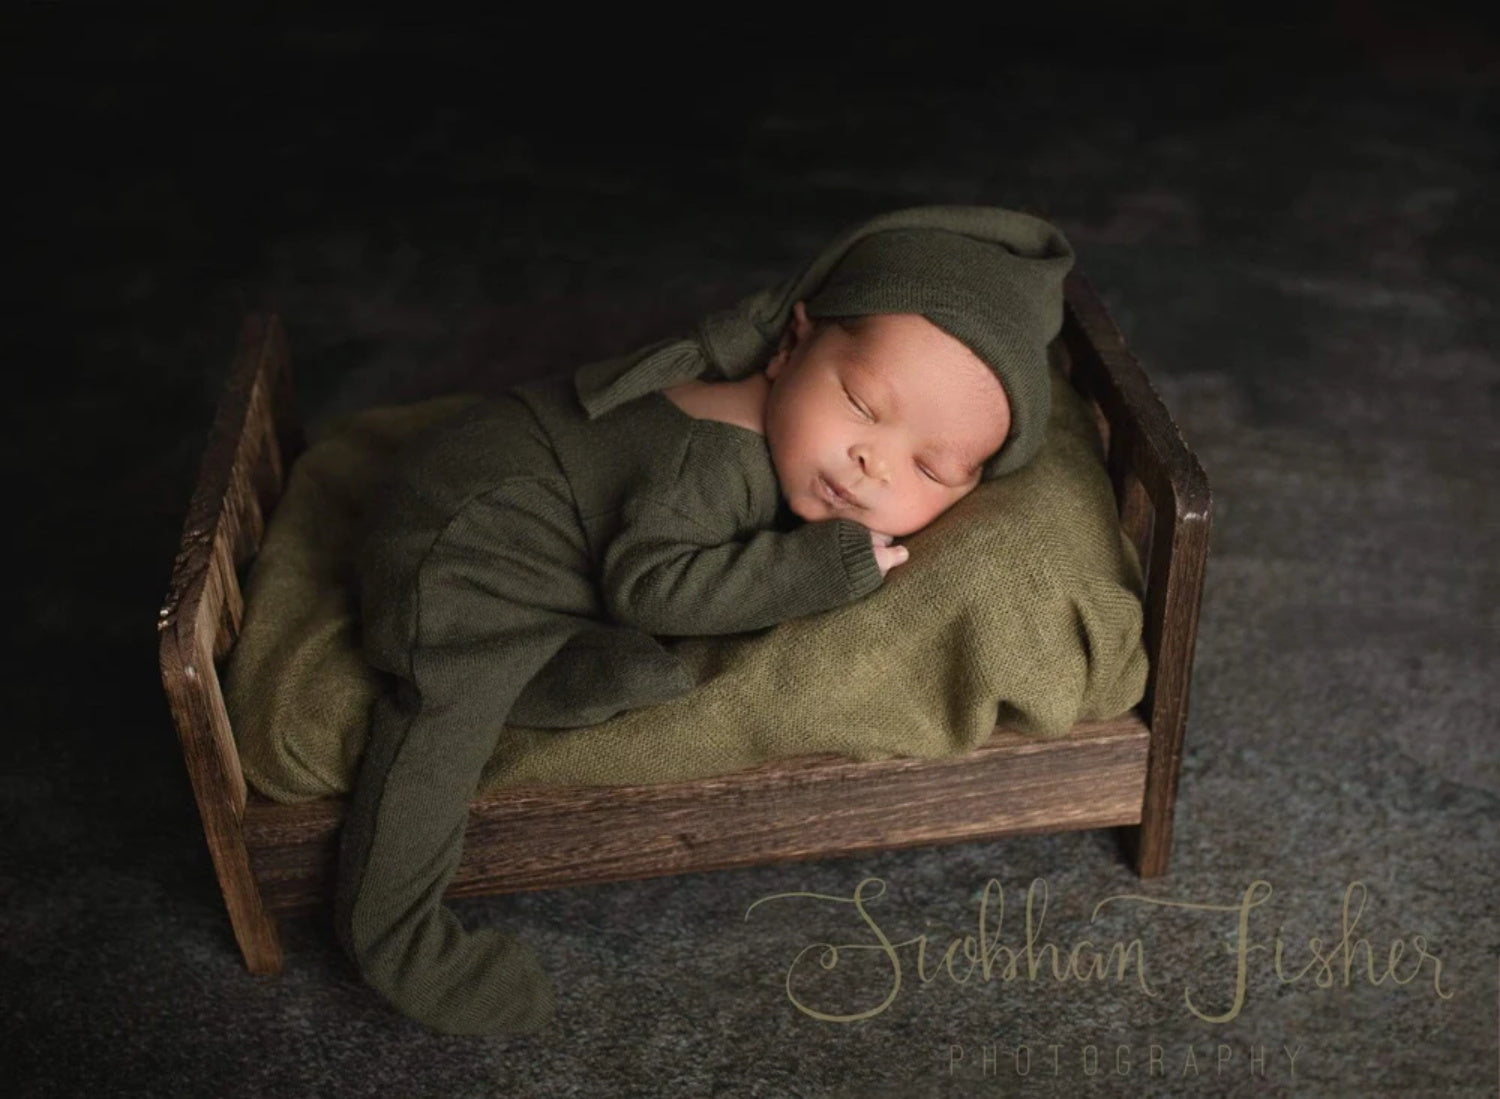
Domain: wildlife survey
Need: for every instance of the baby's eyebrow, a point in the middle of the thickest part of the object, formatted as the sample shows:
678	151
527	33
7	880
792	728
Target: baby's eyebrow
966	467
949	455
868	376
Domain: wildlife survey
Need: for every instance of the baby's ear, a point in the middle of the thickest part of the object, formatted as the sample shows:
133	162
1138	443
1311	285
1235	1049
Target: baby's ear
795	332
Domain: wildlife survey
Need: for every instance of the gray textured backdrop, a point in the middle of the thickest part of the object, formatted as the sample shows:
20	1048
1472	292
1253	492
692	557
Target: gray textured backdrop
1294	223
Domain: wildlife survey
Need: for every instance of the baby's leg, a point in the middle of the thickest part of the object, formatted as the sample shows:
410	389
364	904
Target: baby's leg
498	593
600	672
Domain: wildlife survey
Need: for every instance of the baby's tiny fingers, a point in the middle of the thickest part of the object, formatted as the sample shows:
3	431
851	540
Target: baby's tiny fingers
888	557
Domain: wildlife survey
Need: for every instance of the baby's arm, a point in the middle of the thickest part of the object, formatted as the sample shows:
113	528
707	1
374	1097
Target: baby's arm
667	573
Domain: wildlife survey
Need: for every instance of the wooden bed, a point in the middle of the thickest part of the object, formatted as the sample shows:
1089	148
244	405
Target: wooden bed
271	857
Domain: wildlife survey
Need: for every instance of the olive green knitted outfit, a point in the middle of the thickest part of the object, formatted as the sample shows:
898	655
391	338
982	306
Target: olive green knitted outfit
528	549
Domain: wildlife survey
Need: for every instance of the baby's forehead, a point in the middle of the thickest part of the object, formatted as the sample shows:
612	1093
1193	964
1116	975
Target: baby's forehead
906	349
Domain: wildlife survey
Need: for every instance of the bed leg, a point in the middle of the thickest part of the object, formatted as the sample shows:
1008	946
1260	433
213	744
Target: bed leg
1148	847
261	948
253	925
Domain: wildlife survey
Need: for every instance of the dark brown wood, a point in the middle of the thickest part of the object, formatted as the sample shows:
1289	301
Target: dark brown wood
1123	772
811	807
201	615
1134	502
1148	450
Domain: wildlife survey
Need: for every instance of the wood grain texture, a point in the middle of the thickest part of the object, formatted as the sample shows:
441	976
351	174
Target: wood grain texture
805	808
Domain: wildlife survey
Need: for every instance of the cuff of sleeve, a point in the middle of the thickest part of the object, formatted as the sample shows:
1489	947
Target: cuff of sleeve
858	554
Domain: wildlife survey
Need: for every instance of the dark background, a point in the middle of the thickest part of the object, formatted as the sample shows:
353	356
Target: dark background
1292	216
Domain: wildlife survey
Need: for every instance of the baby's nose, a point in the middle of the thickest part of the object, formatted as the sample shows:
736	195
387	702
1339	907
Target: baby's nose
872	465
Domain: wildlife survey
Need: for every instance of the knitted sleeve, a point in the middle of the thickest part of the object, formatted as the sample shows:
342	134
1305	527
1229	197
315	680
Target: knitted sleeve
679	572
666	576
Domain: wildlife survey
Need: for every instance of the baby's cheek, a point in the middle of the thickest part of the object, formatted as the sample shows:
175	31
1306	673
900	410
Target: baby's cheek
930	512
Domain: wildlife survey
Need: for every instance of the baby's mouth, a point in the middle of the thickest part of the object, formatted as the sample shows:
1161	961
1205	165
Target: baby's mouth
838	497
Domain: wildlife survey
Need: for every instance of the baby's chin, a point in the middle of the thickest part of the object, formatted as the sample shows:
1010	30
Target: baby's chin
885	530
821	512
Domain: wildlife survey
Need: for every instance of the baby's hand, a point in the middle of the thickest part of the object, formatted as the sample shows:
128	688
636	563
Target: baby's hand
887	556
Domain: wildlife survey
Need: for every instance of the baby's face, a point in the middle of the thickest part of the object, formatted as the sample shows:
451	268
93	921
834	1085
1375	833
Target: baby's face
888	425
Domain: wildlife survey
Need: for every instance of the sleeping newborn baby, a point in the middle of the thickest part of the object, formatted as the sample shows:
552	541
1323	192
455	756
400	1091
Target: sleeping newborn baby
528	553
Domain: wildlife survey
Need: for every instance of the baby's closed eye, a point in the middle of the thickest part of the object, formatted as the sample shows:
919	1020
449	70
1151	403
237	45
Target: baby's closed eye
855	404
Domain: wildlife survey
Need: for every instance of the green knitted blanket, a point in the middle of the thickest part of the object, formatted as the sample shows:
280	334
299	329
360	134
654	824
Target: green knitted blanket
1020	605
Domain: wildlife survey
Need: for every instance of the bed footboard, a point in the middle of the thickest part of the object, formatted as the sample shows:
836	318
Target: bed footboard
1164	502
